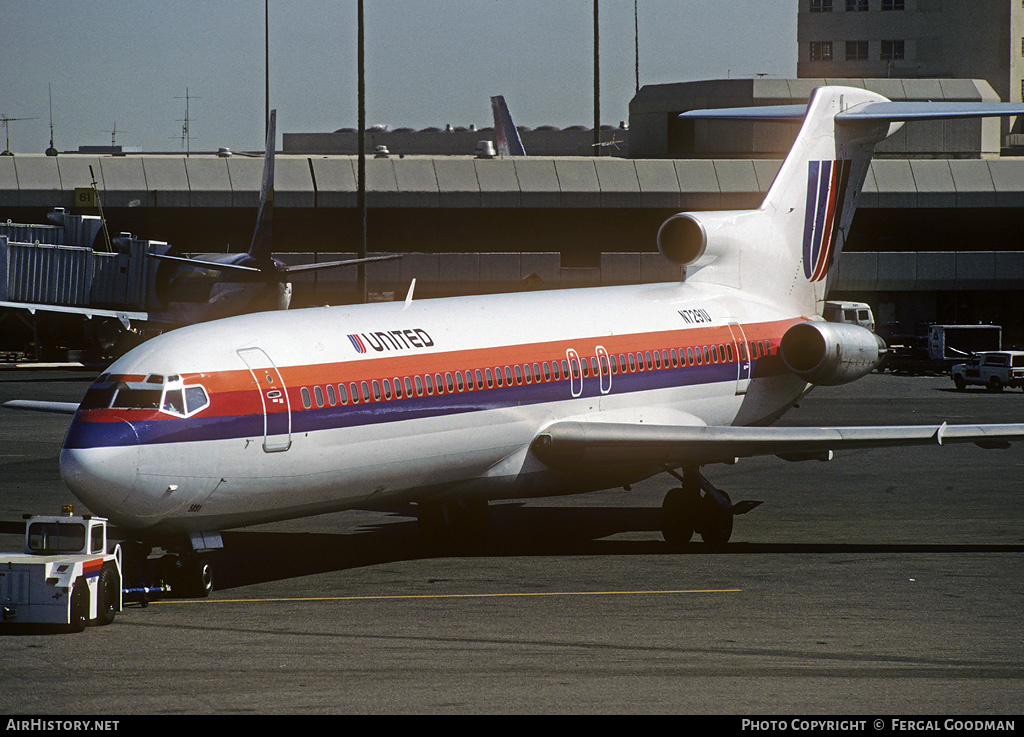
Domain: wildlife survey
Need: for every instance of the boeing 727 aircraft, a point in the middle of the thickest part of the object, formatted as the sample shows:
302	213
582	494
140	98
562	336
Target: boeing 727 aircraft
453	402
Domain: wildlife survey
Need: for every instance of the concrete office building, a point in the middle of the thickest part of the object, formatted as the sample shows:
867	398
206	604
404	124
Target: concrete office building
970	39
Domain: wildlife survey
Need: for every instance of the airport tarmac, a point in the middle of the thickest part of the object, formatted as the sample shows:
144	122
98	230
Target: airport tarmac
882	582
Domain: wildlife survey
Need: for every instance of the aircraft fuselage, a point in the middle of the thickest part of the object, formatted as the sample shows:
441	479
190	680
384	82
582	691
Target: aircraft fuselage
287	414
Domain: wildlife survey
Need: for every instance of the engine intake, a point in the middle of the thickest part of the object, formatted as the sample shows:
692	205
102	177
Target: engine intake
682	239
829	354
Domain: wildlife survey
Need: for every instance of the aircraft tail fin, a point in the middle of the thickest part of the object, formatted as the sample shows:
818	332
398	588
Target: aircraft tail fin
506	135
262	238
788	249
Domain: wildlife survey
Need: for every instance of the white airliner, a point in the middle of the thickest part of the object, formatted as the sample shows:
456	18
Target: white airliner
450	403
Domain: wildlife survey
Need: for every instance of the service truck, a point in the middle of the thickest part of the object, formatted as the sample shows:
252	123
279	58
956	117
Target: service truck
65	576
940	347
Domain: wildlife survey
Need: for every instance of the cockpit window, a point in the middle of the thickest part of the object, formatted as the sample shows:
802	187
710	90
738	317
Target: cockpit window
128	398
157	392
174	402
98	397
195	398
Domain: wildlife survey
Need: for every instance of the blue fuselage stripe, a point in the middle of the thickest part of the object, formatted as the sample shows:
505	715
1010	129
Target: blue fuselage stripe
86	434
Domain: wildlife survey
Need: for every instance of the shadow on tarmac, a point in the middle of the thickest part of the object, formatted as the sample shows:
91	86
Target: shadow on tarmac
252	557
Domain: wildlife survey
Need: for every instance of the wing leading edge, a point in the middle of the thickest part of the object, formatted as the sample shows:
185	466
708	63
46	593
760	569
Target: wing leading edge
572	444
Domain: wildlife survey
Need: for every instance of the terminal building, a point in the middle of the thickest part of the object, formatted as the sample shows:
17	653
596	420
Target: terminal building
936	238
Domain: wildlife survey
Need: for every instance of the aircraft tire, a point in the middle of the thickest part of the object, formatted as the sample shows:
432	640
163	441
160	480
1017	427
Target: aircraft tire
679	516
199	574
107	590
715	523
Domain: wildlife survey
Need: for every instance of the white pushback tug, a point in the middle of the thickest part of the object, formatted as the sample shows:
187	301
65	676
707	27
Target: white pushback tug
65	576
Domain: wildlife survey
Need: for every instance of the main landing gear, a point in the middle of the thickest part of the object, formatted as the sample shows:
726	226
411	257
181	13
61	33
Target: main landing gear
698	507
457	520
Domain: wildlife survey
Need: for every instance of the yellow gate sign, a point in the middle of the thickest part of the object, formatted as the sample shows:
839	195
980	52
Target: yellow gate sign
85	197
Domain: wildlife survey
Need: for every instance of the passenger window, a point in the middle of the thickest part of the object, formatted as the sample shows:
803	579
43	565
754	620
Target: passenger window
490	378
319	394
547	371
408	386
342	394
714	354
419	385
519	374
365	390
332	399
398	388
593	366
508	376
387	389
430	383
437	383
458	382
657	360
498	376
306	401
355	394
675	358
565	369
728	352
632	363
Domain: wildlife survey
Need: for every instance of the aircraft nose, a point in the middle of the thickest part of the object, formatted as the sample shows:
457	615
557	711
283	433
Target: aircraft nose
99	463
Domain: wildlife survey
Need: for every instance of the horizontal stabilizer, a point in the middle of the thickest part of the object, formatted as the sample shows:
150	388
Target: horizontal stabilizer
877	111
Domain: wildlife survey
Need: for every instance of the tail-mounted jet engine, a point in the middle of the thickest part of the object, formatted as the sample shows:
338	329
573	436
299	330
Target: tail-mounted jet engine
689	236
830	354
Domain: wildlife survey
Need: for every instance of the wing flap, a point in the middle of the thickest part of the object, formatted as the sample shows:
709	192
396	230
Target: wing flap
571	444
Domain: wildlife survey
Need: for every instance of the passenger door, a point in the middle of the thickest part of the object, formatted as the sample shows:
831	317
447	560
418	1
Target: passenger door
277	411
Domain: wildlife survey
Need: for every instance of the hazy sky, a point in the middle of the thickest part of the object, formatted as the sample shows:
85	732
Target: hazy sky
428	63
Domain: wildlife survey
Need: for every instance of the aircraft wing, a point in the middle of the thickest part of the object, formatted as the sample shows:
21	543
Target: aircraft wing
61	408
334	264
593	444
125	316
200	264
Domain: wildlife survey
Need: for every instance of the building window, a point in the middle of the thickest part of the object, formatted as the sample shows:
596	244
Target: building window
892	50
892	4
856	6
821	6
821	51
856	50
